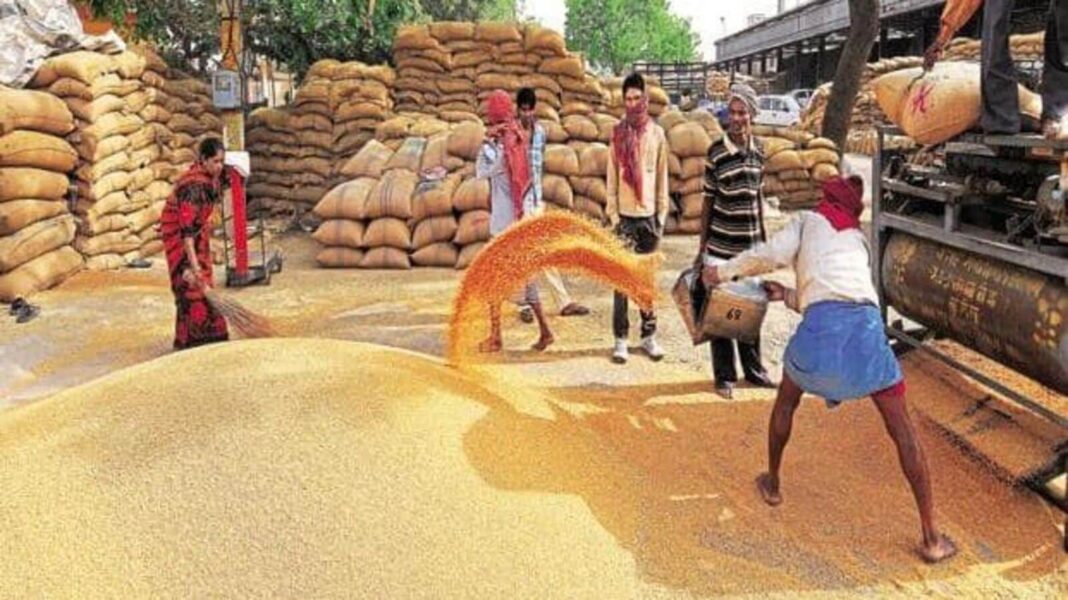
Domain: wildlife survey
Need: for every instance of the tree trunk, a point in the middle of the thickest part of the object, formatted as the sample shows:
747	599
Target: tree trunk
863	29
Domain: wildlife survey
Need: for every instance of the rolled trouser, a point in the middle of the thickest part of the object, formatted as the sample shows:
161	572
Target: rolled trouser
1000	97
1055	64
641	234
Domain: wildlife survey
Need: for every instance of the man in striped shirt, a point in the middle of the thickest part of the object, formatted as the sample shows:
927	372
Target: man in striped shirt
732	222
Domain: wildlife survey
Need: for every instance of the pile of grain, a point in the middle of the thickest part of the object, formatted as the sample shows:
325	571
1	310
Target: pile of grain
36	228
796	165
718	84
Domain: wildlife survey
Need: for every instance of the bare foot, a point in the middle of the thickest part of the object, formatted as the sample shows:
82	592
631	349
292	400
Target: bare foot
574	309
769	490
543	342
490	345
941	550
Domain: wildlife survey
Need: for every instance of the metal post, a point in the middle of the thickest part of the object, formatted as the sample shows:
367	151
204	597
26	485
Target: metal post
876	218
819	58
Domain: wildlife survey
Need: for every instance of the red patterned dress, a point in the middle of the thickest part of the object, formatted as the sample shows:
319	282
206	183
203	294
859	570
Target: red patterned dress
187	214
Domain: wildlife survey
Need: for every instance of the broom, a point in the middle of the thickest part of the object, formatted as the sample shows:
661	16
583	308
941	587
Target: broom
246	322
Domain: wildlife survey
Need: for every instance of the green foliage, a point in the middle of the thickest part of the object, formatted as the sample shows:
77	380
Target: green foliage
186	32
613	34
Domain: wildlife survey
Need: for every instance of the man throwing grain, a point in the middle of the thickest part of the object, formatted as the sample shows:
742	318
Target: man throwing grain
637	201
504	160
840	350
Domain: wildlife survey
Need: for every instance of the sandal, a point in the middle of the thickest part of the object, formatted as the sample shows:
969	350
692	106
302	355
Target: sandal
27	313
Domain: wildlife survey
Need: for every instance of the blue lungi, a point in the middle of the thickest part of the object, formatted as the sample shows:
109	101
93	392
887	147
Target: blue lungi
841	352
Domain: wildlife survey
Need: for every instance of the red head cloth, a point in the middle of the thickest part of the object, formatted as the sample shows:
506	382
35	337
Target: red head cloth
501	112
843	201
626	139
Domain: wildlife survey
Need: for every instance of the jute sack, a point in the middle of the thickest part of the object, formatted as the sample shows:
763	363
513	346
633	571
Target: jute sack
581	128
472	195
91	111
593	188
775	145
36	111
822	142
692	167
434	230
140	179
692	205
114	124
436	255
112	203
89	226
35	240
561	160
693	185
555	132
466	140
40	273
144	218
434	198
413	37
31	184
689	140
37	150
16	214
359	109
105	262
496	32
112	182
93	150
794	175
557	190
594	161
113	242
409	156
340	232
570	66
787	160
136	102
589	208
91	172
339	258
144	138
811	158
452	31
468	254
370	161
392	195
387	231
824	171
542	38
385	258
346	200
435	153
473	227
83	65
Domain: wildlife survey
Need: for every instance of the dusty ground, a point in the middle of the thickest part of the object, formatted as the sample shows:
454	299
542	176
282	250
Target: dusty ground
660	469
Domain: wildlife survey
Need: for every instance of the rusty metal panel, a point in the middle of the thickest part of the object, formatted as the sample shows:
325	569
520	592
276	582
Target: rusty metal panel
1012	315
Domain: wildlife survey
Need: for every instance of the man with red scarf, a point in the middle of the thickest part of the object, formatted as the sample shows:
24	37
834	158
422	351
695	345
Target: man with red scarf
504	160
185	227
840	350
637	201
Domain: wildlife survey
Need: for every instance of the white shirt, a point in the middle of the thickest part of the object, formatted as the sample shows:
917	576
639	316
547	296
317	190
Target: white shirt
830	264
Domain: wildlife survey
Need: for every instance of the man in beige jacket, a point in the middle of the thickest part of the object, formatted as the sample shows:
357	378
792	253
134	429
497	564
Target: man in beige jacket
637	201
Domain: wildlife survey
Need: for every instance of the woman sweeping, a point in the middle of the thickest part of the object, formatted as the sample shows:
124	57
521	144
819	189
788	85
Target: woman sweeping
840	350
186	230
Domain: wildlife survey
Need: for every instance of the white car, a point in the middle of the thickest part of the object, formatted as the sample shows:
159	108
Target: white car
778	110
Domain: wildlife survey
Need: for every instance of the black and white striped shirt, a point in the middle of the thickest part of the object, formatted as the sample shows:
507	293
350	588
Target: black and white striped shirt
733	198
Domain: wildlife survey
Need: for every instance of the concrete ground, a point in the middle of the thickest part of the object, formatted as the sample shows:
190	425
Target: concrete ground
662	470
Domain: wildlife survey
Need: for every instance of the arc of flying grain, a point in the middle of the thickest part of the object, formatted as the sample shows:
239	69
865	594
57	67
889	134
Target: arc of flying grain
560	240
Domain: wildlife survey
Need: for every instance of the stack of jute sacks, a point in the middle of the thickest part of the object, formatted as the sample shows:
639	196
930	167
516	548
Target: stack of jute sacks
1023	47
360	99
271	143
689	137
193	118
104	93
866	113
36	228
796	164
418	205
